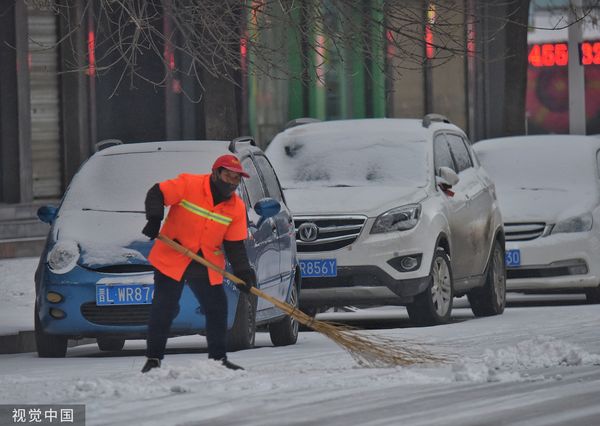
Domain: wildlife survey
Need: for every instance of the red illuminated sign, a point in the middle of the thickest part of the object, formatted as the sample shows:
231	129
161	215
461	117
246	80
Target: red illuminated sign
589	52
549	55
557	54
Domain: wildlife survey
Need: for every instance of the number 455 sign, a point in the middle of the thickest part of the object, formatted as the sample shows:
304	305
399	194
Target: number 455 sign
557	54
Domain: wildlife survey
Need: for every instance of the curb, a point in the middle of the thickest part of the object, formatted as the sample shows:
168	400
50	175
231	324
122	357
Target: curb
24	341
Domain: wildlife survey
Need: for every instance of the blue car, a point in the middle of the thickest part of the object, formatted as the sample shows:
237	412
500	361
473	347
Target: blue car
93	278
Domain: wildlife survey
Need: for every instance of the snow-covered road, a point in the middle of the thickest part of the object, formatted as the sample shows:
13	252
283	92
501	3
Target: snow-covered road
534	365
530	366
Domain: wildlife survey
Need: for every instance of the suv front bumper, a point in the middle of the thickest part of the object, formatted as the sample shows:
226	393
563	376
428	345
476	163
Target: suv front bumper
360	285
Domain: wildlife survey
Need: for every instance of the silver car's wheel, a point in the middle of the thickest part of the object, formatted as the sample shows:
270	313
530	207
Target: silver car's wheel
441	289
434	305
491	298
593	295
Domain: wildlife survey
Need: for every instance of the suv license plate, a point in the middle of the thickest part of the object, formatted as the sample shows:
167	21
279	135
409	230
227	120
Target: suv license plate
318	267
513	258
127	294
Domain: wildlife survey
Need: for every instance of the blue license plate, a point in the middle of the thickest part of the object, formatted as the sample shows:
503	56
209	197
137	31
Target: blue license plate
318	267
513	258
126	294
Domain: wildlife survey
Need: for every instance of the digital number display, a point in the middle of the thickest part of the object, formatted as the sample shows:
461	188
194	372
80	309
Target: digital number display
549	55
589	52
557	54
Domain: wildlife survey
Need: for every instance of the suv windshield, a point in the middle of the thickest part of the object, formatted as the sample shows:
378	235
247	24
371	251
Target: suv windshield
119	182
361	158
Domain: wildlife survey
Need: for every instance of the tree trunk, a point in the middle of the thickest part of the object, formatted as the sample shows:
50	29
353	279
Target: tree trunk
220	108
515	67
220	103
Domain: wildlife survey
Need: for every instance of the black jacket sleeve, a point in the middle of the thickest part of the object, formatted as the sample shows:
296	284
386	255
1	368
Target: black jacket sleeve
237	256
155	203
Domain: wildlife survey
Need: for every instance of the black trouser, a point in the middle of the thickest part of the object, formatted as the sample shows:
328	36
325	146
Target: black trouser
167	293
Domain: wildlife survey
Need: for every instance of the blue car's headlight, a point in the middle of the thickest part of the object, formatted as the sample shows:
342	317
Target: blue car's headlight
63	257
581	223
398	219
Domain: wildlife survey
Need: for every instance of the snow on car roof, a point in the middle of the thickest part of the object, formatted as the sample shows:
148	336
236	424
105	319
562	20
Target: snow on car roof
541	160
170	146
537	142
404	125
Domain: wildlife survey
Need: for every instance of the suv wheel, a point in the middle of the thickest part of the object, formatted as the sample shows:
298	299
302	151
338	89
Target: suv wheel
242	334
110	343
285	332
491	298
434	305
48	345
592	295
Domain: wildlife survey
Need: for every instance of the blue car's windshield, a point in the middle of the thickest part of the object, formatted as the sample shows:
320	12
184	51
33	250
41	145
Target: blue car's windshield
119	182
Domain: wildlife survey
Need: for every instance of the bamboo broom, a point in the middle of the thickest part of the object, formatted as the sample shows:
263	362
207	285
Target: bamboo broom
367	351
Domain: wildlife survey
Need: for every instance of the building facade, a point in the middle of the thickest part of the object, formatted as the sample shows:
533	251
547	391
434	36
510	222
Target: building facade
56	102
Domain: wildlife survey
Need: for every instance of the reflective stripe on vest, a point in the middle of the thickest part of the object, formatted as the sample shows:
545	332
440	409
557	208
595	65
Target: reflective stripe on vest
223	220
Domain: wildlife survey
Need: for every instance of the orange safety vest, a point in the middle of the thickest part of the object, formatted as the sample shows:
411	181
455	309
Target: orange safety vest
196	223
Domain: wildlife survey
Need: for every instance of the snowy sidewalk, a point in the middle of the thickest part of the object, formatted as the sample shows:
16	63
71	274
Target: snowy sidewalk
17	299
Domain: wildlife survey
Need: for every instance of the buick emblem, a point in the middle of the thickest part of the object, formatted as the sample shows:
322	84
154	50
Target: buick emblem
308	231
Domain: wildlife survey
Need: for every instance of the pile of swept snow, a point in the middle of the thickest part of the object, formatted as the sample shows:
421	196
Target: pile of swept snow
504	364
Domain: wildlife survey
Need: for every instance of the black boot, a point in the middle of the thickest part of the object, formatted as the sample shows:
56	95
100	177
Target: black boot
150	364
229	364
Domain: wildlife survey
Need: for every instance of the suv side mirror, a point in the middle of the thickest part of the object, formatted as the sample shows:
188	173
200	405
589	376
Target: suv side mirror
267	207
447	177
47	214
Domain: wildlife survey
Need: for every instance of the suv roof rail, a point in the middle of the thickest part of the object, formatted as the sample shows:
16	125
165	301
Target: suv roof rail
430	118
106	143
300	121
241	139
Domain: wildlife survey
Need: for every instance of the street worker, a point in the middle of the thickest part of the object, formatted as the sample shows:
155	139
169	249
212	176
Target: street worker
208	217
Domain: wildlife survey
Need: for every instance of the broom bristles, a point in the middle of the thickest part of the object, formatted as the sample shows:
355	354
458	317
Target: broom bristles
372	351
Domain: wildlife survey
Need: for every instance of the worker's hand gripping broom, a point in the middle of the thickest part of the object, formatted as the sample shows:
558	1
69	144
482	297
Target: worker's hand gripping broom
373	351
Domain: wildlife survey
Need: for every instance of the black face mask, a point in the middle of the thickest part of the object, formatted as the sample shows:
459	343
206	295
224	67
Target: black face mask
226	189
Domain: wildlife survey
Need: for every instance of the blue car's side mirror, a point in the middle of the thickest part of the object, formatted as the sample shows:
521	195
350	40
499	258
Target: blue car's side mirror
267	207
47	214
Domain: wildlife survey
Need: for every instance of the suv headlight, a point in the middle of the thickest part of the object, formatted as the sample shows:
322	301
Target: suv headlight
63	257
574	224
398	219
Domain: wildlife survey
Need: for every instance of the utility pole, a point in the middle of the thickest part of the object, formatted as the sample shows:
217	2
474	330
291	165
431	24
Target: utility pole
576	76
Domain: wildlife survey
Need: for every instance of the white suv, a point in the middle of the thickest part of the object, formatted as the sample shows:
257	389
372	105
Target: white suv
392	211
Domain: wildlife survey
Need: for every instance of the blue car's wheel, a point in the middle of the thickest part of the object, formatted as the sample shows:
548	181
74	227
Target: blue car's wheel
110	343
242	334
48	345
285	331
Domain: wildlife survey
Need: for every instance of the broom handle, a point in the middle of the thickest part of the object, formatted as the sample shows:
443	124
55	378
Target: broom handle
285	307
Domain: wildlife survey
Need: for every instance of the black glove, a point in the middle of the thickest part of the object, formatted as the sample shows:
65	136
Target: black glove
249	278
152	228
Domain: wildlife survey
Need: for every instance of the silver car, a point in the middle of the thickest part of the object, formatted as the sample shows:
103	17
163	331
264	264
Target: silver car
392	211
549	192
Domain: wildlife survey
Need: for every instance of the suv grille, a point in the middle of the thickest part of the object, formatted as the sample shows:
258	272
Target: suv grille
524	231
325	233
117	314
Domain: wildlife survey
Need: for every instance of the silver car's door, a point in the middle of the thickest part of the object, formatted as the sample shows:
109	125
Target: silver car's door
479	206
457	210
